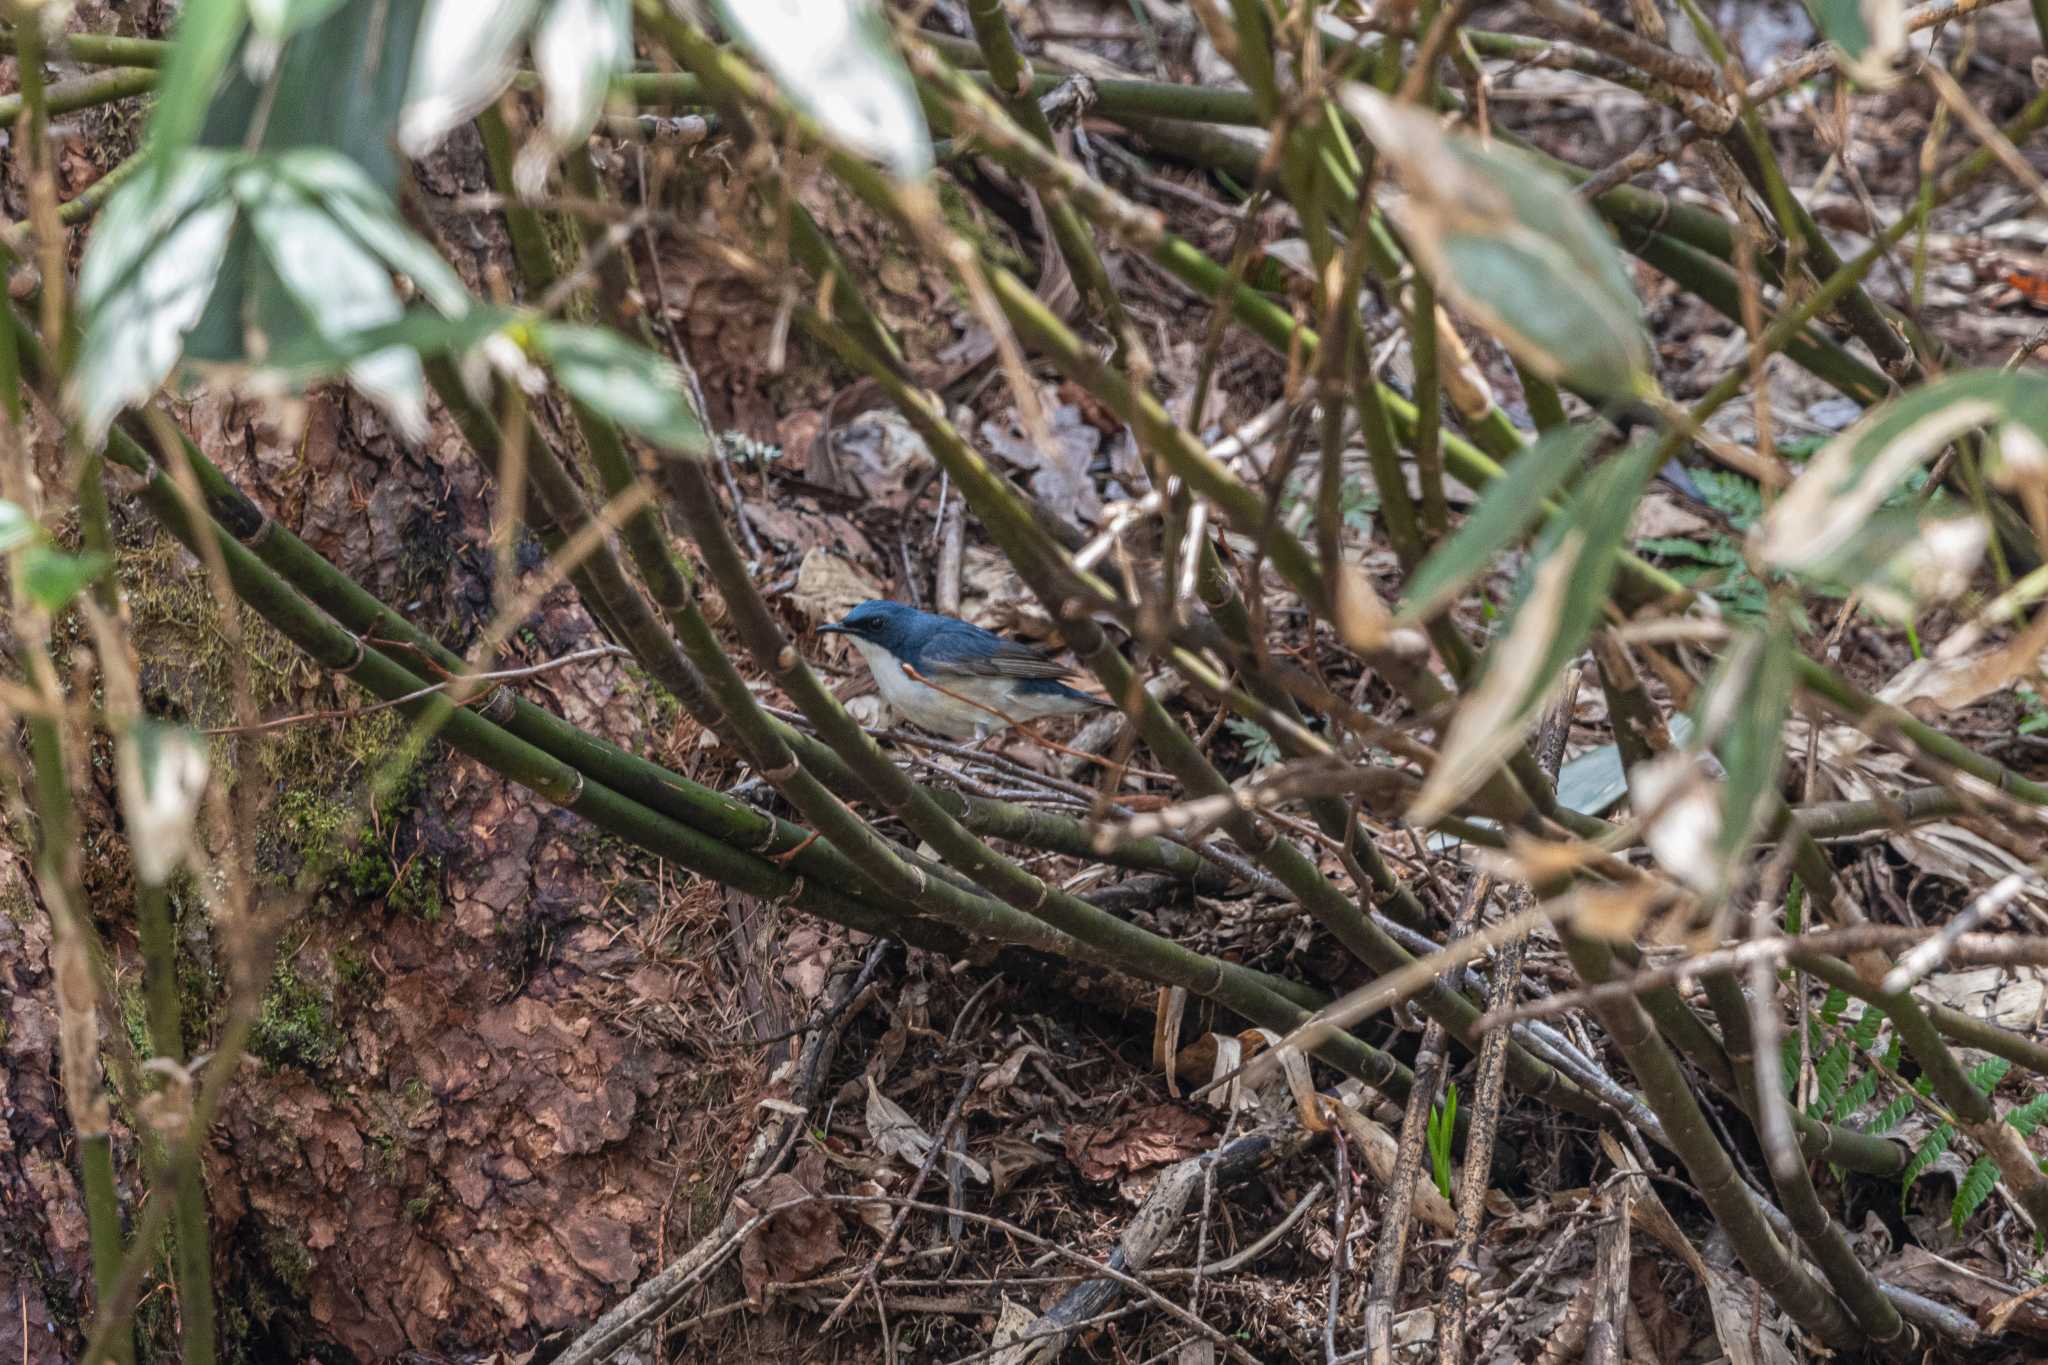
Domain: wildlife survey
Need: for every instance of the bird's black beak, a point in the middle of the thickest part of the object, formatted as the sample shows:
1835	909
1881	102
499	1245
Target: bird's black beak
833	628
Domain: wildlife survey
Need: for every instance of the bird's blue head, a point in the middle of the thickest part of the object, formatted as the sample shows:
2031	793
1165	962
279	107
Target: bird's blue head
899	629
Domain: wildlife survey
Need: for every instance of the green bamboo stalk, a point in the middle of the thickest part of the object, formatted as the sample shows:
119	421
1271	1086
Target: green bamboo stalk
84	92
713	813
1011	76
1820	1234
838	873
57	867
1806	1300
1641	734
1221	598
192	1264
1841	282
827	866
647	539
1212	584
1859	312
815	252
94	49
1751	150
1702	274
530	250
57	854
1966	1029
336	649
1641	582
880	776
735	705
1426	448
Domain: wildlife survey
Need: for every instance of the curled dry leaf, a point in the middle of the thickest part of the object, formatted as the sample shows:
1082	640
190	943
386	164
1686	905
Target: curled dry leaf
1150	1136
1934	685
1536	861
1363	619
1613	913
1221	1056
1010	1159
874	1211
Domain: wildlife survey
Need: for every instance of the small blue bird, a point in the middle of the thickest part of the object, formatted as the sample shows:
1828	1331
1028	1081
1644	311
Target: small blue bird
993	682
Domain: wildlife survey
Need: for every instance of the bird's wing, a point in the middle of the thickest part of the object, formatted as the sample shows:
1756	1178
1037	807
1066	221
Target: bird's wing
969	651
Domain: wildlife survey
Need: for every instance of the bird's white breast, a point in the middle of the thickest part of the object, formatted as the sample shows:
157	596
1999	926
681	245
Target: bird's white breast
923	705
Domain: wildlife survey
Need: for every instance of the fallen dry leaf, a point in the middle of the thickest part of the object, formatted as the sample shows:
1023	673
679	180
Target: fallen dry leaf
881	454
799	1238
1059	476
1977	1294
806	960
829	585
1010	1159
1660	517
1151	1136
895	1133
2010	997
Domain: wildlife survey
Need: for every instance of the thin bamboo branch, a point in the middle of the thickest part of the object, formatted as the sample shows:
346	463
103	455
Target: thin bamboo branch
1806	1300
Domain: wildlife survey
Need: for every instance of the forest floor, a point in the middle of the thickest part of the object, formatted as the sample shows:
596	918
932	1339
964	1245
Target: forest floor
512	1068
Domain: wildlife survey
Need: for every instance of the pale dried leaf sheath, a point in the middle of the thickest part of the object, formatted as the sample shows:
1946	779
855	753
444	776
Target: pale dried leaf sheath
1489	725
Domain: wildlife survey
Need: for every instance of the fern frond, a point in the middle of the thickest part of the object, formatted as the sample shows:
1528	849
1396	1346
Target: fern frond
1855	1097
1988	1073
2028	1116
1929	1153
1975	1189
